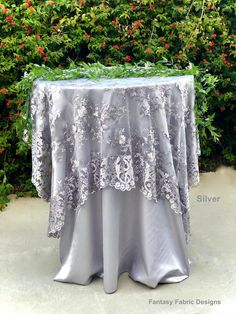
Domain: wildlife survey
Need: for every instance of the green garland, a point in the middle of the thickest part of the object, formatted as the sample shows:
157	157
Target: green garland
93	71
97	70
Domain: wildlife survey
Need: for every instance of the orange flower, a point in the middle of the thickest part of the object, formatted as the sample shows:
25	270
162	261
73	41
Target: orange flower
3	91
167	46
51	2
18	57
5	11
211	44
148	51
152	7
55	27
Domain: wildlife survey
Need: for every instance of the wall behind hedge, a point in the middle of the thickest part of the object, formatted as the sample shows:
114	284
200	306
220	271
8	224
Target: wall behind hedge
56	32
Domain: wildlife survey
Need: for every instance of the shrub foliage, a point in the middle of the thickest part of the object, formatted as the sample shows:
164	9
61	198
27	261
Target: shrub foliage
58	33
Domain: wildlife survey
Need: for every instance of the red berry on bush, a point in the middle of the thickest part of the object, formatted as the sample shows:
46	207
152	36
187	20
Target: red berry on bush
27	4
8	102
132	7
127	58
40	50
138	23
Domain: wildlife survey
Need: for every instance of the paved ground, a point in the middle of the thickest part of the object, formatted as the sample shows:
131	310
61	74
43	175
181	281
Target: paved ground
29	260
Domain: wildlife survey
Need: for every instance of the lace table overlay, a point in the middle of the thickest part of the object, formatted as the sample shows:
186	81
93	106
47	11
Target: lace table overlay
123	133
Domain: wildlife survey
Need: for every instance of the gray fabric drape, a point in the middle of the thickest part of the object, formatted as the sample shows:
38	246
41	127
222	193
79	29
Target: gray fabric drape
116	232
119	139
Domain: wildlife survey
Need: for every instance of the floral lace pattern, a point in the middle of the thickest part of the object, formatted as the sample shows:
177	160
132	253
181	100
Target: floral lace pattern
123	133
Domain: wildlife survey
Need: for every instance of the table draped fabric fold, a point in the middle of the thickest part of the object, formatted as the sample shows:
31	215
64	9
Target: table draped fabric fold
129	133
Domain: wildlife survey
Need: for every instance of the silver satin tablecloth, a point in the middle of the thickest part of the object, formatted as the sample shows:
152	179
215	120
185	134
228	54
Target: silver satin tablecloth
116	158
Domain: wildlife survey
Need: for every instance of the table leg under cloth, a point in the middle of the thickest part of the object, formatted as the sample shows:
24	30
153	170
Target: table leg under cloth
122	231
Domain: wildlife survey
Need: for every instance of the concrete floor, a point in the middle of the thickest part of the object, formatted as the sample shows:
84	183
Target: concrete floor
29	260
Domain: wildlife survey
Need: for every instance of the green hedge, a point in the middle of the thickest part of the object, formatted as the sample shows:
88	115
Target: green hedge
57	33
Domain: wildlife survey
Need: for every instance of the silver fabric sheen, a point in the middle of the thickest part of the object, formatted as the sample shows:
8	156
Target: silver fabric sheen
130	135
